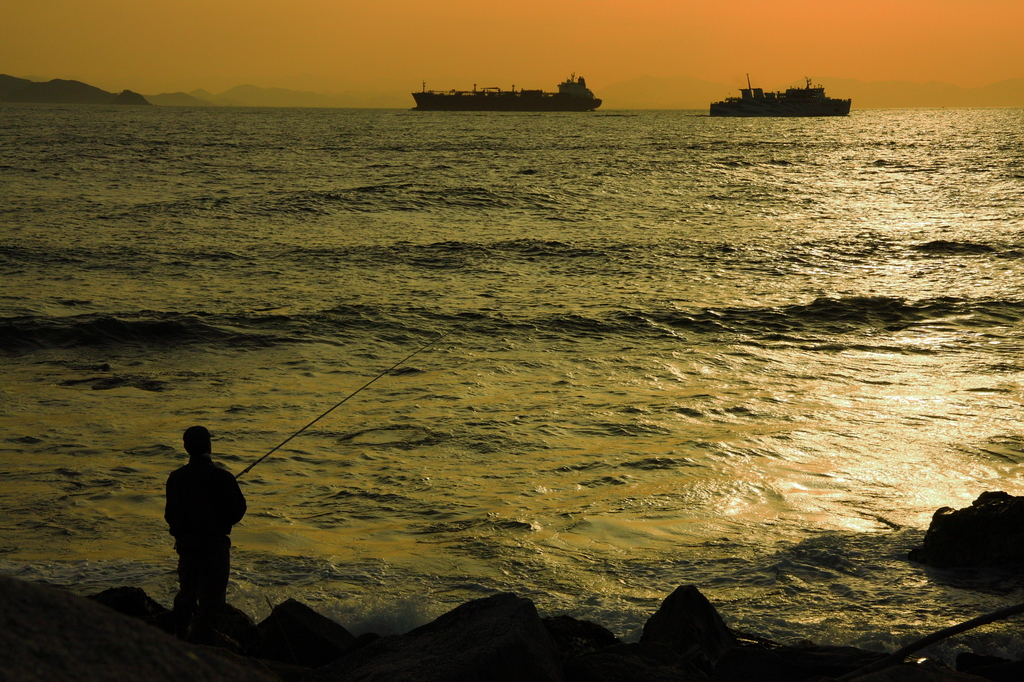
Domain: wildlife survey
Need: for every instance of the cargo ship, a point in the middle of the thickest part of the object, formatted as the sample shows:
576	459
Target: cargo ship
809	100
572	95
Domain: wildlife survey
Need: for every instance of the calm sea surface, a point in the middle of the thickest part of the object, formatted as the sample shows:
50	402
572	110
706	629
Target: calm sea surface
751	355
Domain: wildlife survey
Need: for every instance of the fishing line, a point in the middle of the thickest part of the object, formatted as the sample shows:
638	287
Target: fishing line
344	400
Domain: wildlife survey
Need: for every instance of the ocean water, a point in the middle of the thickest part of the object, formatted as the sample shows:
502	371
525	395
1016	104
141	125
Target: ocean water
657	349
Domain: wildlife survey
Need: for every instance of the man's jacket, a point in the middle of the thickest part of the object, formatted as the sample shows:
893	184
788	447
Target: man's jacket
202	499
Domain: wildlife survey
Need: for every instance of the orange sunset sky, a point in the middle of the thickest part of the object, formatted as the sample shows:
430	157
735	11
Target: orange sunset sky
154	46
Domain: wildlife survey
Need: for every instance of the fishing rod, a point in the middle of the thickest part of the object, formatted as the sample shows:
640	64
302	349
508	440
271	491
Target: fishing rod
343	401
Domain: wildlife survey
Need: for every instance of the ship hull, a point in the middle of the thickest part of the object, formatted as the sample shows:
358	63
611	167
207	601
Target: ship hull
502	101
828	107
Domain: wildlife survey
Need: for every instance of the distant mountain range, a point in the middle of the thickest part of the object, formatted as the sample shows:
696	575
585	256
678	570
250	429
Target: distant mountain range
648	92
60	91
252	96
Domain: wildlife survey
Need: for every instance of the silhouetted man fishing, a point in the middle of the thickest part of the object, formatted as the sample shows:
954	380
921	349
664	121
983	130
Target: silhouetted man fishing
203	503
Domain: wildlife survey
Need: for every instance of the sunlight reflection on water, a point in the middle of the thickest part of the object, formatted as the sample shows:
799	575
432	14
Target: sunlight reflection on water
752	355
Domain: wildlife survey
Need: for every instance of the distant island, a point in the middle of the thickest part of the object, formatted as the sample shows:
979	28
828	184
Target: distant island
58	91
647	92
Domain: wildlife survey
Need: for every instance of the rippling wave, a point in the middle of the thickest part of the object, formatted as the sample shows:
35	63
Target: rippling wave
820	318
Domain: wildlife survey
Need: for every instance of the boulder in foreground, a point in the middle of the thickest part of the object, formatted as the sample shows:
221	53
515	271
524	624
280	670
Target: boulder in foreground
496	639
988	533
634	662
294	633
928	672
791	664
688	624
50	634
53	635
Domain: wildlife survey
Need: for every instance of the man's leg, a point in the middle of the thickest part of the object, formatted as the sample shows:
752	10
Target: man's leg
188	592
212	588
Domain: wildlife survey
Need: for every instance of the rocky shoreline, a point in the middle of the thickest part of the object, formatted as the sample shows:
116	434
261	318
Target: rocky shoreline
48	633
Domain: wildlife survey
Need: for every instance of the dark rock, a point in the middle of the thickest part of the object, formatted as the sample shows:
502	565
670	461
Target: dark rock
748	639
294	633
1001	672
638	662
791	664
239	628
364	639
130	98
929	671
690	625
165	621
265	668
131	601
290	673
218	640
967	660
496	639
988	533
134	602
50	634
47	633
577	637
235	630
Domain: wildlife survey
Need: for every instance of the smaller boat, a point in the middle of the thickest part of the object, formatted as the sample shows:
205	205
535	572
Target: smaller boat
809	100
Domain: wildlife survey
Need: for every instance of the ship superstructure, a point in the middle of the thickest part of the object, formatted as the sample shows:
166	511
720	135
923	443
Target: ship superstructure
809	100
573	95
